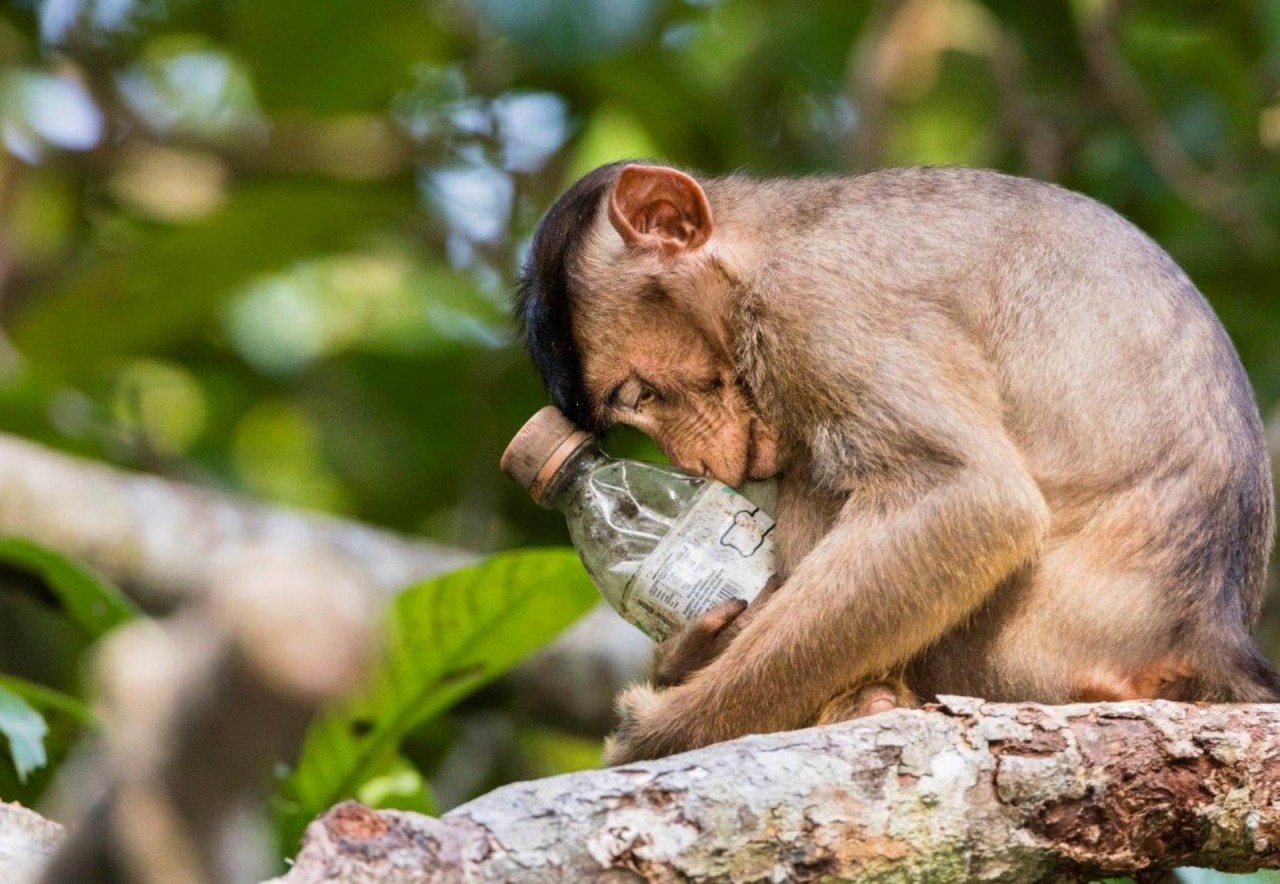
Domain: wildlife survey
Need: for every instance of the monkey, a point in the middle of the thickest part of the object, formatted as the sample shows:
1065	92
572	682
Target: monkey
1017	455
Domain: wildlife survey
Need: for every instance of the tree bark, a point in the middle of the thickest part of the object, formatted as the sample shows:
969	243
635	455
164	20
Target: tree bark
27	840
963	791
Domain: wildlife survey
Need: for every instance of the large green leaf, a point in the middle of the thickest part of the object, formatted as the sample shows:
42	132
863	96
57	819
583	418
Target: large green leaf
25	729
87	598
444	638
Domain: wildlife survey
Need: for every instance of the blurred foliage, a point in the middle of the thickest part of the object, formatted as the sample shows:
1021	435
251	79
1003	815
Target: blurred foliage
25	730
268	246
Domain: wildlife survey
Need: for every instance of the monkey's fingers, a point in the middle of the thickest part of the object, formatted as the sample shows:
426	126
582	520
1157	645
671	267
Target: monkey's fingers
714	621
762	598
697	646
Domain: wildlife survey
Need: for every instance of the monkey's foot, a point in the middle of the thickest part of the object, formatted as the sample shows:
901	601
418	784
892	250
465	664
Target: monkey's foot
867	699
1165	679
655	724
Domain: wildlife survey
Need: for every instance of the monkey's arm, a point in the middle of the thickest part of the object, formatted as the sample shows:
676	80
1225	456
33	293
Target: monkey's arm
906	560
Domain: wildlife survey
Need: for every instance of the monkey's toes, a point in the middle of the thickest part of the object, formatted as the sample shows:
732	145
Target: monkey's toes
864	700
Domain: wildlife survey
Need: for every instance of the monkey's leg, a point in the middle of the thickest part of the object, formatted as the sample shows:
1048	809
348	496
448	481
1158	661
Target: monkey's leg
703	640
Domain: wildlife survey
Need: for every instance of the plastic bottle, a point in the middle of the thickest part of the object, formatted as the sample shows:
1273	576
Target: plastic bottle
663	546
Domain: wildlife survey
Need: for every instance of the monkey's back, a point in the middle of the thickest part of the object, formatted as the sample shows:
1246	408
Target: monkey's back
1115	380
1130	403
1140	425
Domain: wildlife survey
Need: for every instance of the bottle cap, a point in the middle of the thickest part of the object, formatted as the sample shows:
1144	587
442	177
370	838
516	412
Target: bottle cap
540	448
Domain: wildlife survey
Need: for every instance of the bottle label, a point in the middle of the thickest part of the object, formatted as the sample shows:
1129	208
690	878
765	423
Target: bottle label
721	548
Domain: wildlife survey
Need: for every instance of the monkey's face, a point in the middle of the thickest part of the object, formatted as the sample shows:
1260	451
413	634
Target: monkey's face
632	253
661	376
652	328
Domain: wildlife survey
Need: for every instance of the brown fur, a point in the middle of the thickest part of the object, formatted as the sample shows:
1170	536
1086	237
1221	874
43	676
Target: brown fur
1018	456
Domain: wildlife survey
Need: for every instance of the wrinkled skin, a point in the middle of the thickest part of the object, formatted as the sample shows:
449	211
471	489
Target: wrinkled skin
670	384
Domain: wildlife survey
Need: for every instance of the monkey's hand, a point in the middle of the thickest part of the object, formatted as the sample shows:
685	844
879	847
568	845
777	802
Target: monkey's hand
702	640
641	707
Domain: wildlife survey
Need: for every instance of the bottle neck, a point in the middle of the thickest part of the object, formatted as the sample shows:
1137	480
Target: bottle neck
560	489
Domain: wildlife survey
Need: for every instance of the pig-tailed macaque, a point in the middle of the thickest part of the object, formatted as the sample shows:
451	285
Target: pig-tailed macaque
1017	455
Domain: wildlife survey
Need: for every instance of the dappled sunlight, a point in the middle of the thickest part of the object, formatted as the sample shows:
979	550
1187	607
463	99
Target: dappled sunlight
41	112
179	88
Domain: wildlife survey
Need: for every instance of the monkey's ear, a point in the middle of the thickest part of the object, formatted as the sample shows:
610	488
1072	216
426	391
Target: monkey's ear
659	208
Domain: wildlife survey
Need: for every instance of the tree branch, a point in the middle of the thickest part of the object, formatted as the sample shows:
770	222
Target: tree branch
969	790
165	539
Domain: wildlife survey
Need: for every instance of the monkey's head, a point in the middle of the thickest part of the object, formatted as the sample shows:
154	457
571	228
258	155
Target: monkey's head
625	309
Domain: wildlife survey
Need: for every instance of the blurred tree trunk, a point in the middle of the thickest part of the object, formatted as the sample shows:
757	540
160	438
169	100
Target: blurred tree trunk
164	541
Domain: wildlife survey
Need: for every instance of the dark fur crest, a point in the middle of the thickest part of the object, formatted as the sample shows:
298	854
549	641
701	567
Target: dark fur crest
543	306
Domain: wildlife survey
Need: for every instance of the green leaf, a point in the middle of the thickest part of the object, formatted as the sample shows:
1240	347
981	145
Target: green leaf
67	720
87	598
444	638
25	728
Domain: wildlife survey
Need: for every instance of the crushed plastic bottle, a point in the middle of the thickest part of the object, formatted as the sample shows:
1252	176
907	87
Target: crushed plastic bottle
663	546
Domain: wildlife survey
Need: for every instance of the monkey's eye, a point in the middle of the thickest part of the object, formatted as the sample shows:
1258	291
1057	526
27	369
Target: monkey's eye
634	394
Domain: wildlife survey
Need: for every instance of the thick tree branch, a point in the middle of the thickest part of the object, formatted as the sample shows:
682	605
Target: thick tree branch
995	792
